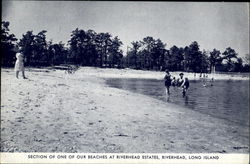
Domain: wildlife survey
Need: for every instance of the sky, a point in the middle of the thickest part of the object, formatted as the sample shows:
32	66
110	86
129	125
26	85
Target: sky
212	24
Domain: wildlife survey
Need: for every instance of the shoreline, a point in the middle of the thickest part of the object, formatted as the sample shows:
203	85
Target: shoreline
144	74
56	112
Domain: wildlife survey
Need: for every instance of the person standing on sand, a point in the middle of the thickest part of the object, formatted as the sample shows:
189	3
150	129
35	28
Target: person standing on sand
168	81
19	65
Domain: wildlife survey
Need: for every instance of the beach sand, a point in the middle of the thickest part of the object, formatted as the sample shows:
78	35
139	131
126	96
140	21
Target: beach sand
56	112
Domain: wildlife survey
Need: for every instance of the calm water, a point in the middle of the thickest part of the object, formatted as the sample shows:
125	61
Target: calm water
227	99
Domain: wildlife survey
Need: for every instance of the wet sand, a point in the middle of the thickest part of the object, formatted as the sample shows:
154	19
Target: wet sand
56	112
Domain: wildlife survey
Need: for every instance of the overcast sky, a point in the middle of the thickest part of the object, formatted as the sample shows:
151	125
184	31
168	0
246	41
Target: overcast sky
212	24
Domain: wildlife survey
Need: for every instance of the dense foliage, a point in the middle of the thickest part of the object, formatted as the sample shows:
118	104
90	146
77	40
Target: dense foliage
88	48
8	48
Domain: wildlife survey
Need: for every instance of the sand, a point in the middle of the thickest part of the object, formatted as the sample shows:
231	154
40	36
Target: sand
56	112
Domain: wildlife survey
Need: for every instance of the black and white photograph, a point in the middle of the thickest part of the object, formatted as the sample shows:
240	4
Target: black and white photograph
125	77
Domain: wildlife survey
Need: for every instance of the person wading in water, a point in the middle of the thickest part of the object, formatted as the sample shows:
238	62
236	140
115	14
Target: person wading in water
183	83
168	81
185	87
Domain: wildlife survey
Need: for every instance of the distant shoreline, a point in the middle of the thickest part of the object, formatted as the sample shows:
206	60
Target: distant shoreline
146	74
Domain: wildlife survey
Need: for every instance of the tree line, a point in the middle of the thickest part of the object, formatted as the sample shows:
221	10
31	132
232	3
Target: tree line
151	54
88	48
85	48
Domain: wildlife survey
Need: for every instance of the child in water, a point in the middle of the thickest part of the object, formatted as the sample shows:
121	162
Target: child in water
174	82
19	66
212	81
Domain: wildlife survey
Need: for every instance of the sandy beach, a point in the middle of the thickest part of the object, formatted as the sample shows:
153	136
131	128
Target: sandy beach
56	112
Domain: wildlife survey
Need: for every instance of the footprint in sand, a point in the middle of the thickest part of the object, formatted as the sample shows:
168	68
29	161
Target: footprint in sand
21	93
112	147
26	105
93	108
80	134
91	102
223	151
121	135
19	118
62	85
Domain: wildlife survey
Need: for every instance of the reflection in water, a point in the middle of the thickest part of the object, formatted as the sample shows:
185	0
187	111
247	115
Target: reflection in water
228	100
186	99
168	97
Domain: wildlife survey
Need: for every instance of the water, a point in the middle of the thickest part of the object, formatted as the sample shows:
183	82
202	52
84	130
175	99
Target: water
226	99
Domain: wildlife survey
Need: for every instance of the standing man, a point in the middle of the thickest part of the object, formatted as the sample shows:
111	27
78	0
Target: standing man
168	80
183	83
180	80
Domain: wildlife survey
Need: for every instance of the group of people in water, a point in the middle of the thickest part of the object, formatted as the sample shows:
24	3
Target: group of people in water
181	82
